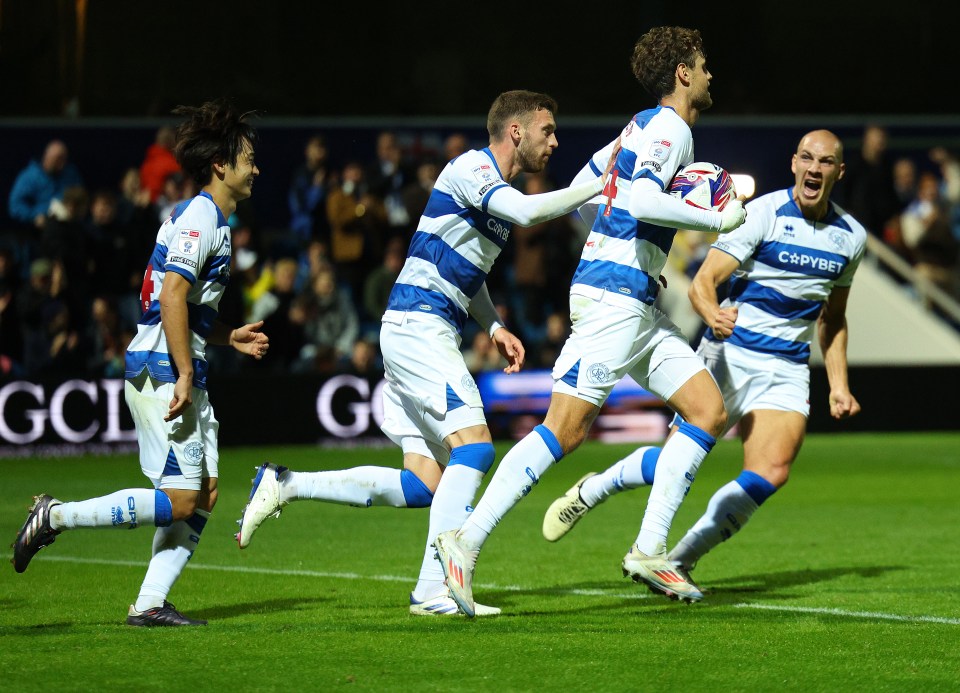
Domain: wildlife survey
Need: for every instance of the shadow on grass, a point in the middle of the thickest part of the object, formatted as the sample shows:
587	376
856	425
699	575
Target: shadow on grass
264	606
769	584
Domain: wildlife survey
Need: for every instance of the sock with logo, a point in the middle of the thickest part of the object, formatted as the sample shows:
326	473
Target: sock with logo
360	486
633	471
451	507
727	512
677	467
518	473
172	548
126	509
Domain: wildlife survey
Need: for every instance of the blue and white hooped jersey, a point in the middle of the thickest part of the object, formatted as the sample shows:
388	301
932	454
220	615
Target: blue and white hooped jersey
623	256
195	243
788	267
455	245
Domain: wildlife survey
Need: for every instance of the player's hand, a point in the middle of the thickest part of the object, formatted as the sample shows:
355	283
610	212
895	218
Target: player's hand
250	340
510	348
843	404
612	162
724	322
182	397
733	215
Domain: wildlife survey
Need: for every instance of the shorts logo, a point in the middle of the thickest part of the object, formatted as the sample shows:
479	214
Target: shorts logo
598	374
468	383
193	452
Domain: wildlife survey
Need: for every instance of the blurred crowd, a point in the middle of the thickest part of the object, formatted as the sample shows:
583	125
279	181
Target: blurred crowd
71	273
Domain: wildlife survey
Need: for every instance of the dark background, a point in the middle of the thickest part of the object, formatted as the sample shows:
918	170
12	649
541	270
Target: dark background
307	59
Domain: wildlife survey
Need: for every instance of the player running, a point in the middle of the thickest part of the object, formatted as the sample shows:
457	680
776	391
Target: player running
789	268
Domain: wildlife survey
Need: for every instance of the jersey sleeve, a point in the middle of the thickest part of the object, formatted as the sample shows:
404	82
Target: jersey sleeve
475	178
660	150
743	240
846	277
191	240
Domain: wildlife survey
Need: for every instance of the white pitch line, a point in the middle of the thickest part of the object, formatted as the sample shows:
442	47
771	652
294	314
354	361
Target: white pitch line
510	588
851	614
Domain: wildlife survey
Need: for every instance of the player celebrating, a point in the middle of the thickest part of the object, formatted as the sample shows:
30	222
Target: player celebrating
615	328
792	265
166	373
432	408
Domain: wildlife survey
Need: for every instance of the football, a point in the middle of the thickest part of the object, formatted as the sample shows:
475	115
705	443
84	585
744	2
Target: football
703	185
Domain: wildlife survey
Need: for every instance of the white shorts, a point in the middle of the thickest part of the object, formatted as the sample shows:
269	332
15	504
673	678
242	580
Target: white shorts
427	380
173	454
609	342
749	380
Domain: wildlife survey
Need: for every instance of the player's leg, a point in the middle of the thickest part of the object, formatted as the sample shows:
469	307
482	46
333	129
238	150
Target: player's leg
189	477
125	509
679	377
633	471
771	442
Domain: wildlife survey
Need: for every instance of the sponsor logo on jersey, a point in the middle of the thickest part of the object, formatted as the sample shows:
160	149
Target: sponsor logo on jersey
498	228
660	150
189	242
802	260
485	174
182	260
598	374
483	191
652	164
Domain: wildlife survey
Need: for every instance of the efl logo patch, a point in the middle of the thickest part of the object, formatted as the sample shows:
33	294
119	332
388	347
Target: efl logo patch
189	242
485	174
660	150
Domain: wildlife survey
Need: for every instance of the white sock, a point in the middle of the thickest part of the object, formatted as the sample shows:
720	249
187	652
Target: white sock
727	512
360	486
519	471
126	509
633	471
450	509
679	461
172	548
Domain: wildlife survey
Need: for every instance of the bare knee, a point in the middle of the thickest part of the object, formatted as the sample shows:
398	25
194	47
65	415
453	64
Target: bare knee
183	503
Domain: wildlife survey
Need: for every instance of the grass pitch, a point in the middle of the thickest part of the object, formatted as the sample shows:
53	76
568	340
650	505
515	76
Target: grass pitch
846	577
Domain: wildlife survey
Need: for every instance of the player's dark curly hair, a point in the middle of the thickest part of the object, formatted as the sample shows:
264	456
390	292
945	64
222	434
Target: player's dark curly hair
213	133
657	54
516	104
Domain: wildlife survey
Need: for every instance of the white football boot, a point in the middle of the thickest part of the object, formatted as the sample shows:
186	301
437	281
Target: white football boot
264	501
458	564
661	575
565	512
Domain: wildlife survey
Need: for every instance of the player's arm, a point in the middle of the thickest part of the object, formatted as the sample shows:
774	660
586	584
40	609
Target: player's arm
176	329
648	202
247	340
509	345
716	269
832	331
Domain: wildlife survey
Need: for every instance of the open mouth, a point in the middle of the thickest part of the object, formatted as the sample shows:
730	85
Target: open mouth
811	188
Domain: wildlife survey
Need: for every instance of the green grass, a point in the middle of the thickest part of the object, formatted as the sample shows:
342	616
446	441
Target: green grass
839	581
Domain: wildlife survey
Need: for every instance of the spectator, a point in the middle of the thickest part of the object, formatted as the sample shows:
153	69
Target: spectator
274	308
159	163
925	227
331	325
387	177
416	194
379	283
309	188
455	145
868	192
363	361
11	337
40	183
107	339
358	223
67	238
483	355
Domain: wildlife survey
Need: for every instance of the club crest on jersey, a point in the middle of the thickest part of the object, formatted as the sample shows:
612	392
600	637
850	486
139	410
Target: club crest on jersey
836	240
189	242
598	374
660	150
485	173
193	452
